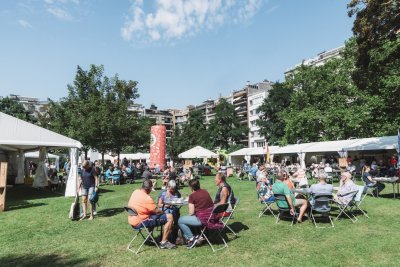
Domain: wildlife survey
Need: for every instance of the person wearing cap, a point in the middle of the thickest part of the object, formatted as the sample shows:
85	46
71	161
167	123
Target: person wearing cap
281	188
149	214
88	182
346	190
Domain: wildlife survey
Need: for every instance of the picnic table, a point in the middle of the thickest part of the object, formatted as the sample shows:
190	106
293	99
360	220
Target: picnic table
390	180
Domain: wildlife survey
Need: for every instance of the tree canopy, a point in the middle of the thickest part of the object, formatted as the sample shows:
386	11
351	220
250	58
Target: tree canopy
12	107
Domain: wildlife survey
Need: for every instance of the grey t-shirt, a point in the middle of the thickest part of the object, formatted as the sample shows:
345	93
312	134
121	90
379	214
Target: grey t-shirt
318	189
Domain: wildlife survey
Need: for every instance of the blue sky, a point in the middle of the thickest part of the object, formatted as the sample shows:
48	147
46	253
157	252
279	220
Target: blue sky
180	51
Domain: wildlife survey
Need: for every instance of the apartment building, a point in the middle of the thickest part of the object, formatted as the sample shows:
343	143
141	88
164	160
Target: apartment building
318	60
31	104
256	93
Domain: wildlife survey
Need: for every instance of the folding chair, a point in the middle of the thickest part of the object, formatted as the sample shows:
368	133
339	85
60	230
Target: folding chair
215	225
268	204
116	177
356	203
140	229
322	206
369	190
225	219
283	211
346	209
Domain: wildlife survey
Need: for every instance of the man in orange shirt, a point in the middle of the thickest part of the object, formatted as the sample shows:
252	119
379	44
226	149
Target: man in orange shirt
149	214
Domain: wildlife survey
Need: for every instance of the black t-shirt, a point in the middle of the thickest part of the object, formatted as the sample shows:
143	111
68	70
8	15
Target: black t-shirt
88	177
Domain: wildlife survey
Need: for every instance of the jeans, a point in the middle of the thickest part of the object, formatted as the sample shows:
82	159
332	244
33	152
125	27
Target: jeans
378	186
185	222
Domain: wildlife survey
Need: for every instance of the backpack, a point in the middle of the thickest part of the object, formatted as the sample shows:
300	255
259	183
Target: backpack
94	197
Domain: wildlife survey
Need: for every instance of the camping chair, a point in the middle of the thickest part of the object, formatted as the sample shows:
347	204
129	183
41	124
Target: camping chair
369	190
284	212
225	219
356	203
268	203
216	226
346	209
140	229
322	206
116	177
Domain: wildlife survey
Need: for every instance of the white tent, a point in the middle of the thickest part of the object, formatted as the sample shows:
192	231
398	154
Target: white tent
197	152
20	136
135	156
374	143
35	155
245	153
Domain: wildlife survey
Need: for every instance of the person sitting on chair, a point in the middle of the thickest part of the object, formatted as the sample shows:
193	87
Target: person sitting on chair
280	187
264	189
321	188
200	209
170	193
225	193
149	214
346	189
300	178
367	178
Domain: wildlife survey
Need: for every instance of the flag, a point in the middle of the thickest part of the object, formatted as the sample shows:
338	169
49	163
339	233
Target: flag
267	154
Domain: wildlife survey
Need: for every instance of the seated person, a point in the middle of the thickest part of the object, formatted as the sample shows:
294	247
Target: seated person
156	169
321	188
108	174
300	178
146	175
346	190
367	178
280	187
172	174
286	180
151	216
253	171
224	193
264	190
200	209
261	173
116	175
170	193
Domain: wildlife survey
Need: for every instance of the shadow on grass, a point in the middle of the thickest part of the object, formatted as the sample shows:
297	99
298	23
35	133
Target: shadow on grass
16	205
237	227
41	260
109	212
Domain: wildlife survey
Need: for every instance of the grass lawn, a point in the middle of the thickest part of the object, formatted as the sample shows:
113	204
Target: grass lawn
36	231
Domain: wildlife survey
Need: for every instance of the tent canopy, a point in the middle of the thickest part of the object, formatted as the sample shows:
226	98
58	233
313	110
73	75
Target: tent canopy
374	143
328	146
197	152
17	135
252	151
135	156
35	155
292	149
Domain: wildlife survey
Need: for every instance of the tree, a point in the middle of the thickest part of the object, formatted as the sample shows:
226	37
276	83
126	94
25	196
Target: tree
377	65
271	122
95	111
12	107
326	105
225	128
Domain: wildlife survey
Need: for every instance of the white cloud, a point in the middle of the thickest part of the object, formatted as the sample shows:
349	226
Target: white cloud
176	19
24	23
272	9
59	13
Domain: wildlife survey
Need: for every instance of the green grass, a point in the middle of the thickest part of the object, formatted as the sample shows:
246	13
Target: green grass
36	231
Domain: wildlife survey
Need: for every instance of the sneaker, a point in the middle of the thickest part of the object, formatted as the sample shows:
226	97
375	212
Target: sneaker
200	240
167	245
191	243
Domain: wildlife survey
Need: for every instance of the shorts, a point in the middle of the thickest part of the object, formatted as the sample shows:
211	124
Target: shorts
154	220
87	191
299	202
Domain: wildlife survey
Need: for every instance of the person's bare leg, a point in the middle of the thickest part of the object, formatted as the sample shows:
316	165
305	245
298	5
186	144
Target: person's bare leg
167	227
303	209
91	211
84	201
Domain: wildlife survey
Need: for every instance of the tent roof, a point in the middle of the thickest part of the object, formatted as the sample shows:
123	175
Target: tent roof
292	149
135	156
18	134
197	152
35	155
253	151
374	143
329	146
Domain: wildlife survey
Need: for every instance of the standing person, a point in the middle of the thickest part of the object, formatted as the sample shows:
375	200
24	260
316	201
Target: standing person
89	182
200	209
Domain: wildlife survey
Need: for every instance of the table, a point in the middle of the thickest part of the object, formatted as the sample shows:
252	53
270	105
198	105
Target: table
176	202
390	180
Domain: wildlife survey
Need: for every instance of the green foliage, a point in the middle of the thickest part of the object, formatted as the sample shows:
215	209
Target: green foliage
225	128
377	65
271	122
95	112
15	109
